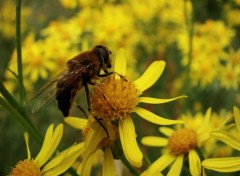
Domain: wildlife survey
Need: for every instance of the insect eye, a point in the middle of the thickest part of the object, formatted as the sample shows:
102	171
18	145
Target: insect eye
103	55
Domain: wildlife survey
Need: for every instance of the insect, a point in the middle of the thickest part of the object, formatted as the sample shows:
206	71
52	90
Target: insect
81	71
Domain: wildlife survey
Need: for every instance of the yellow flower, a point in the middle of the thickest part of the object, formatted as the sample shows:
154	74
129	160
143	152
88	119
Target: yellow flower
40	166
230	76
206	59
95	144
69	4
7	16
115	99
179	144
229	164
35	63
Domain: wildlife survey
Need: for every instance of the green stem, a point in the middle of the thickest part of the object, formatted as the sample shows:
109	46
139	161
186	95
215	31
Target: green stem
18	108
14	103
19	51
17	116
117	152
147	160
189	20
129	166
72	171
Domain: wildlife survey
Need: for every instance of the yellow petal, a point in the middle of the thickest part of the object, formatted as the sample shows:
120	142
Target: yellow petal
51	142
76	122
157	100
45	146
109	168
63	160
230	164
150	76
205	124
154	141
56	138
160	164
26	137
95	134
88	162
148	173
129	142
237	117
194	163
176	167
120	64
153	118
166	131
203	137
227	139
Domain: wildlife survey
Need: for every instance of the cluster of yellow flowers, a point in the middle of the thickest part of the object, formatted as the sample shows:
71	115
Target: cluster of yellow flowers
121	25
210	61
115	137
7	18
201	54
124	25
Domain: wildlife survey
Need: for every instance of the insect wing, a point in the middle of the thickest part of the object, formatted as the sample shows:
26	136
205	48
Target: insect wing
46	94
49	91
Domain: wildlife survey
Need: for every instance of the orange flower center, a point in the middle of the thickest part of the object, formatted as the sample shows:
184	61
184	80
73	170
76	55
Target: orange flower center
182	141
26	168
114	99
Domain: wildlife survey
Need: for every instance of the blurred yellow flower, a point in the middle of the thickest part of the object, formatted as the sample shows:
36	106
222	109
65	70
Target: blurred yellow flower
210	147
7	18
229	164
69	3
179	144
229	77
210	40
35	64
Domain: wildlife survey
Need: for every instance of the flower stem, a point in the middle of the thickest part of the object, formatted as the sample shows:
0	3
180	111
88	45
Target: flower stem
14	103
19	51
128	165
189	20
16	115
147	160
15	108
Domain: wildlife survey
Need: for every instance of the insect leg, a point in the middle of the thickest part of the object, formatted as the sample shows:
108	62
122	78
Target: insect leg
81	109
88	95
110	73
105	98
100	123
89	109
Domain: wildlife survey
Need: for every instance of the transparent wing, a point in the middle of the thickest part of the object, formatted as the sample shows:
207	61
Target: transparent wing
47	93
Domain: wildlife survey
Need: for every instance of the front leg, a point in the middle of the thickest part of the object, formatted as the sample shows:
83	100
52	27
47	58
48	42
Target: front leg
91	83
110	73
88	95
105	74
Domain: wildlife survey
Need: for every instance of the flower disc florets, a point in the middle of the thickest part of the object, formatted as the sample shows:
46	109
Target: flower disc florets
114	99
182	141
26	168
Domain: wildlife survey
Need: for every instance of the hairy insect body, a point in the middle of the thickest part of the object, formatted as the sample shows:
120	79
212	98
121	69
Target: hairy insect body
80	72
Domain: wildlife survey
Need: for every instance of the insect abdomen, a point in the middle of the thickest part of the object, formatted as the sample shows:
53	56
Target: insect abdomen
65	98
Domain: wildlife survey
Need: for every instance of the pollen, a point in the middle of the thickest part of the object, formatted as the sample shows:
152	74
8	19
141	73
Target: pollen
114	99
182	141
26	168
